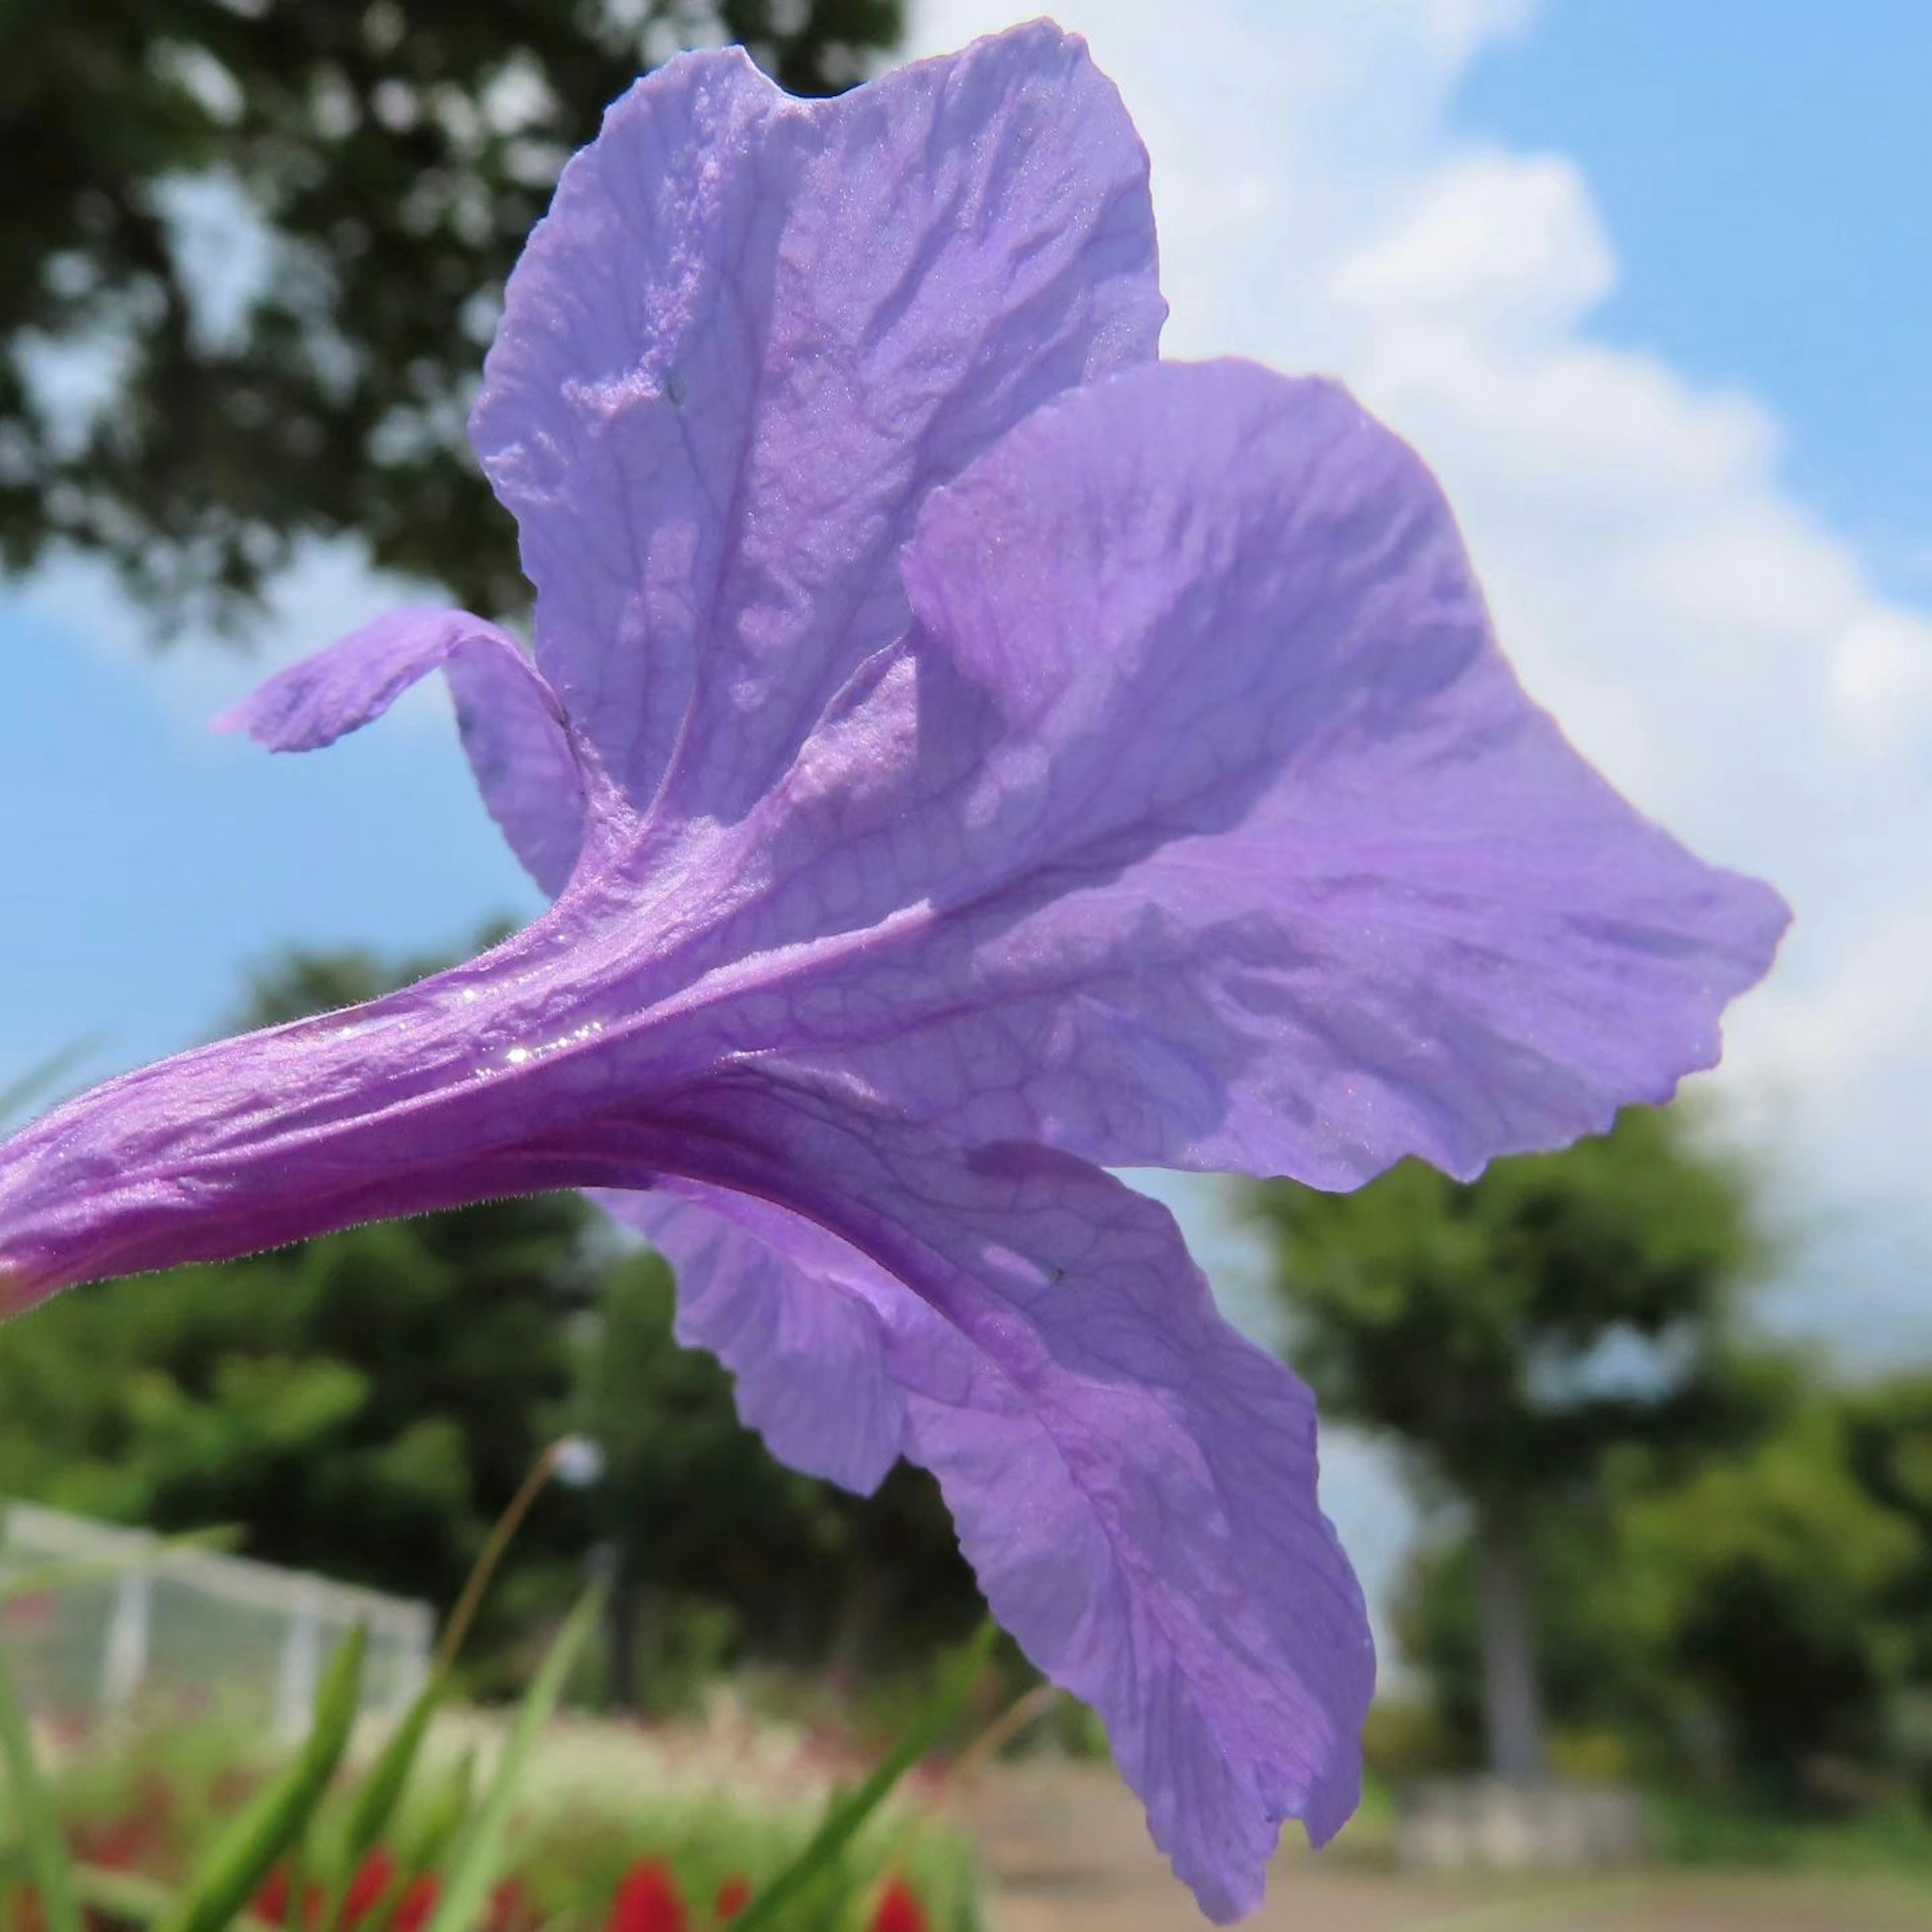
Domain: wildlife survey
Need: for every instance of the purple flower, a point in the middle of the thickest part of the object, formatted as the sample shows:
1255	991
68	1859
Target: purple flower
966	753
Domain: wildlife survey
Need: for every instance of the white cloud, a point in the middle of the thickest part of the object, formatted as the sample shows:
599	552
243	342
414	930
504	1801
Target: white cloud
1495	248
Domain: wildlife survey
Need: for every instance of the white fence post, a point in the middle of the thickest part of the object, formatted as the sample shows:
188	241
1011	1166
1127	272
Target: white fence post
124	1663
149	1642
301	1665
413	1636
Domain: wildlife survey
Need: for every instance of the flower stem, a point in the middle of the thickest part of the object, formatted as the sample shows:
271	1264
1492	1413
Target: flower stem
458	1629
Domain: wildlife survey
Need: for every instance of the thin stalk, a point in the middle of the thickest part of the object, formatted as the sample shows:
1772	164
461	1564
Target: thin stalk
458	1629
381	1792
479	1862
1026	1709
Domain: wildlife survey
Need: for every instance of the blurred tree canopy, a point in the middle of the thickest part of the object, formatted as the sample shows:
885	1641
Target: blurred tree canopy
1888	1439
1744	1621
363	1406
1513	1333
259	249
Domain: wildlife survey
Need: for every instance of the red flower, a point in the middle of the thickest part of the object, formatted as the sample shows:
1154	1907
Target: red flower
734	1895
369	1887
34	1613
271	1902
509	1908
899	1910
417	1904
118	1846
648	1901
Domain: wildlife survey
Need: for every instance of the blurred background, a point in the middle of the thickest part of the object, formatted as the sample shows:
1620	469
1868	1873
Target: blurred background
1633	1444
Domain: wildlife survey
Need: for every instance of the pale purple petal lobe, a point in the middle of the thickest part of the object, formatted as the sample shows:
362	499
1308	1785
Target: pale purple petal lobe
512	724
525	765
752	334
788	1311
1202	823
1134	1484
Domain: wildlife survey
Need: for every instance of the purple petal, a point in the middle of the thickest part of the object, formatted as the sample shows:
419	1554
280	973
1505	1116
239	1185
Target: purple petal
524	763
1202	823
1288	877
776	1300
1134	1484
512	725
751	335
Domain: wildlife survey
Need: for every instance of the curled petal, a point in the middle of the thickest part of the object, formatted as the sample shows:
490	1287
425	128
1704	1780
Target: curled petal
751	334
512	724
1134	1483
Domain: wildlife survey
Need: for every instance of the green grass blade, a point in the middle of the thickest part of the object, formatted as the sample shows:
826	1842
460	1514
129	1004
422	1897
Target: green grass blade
123	1896
378	1797
127	1898
232	1872
480	1858
40	1820
445	1814
382	1791
842	1825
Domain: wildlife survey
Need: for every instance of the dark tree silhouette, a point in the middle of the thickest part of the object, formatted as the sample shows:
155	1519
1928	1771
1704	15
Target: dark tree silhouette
254	252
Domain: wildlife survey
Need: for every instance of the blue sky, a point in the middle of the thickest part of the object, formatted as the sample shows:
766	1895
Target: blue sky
1763	165
1647	284
146	861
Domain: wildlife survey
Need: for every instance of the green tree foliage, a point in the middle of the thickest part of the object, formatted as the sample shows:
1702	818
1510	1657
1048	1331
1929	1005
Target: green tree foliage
1888	1426
1744	1619
1476	1324
1767	1573
244	300
363	1405
1513	1334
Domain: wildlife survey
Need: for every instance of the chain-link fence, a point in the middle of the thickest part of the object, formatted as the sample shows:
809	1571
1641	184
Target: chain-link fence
241	1640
